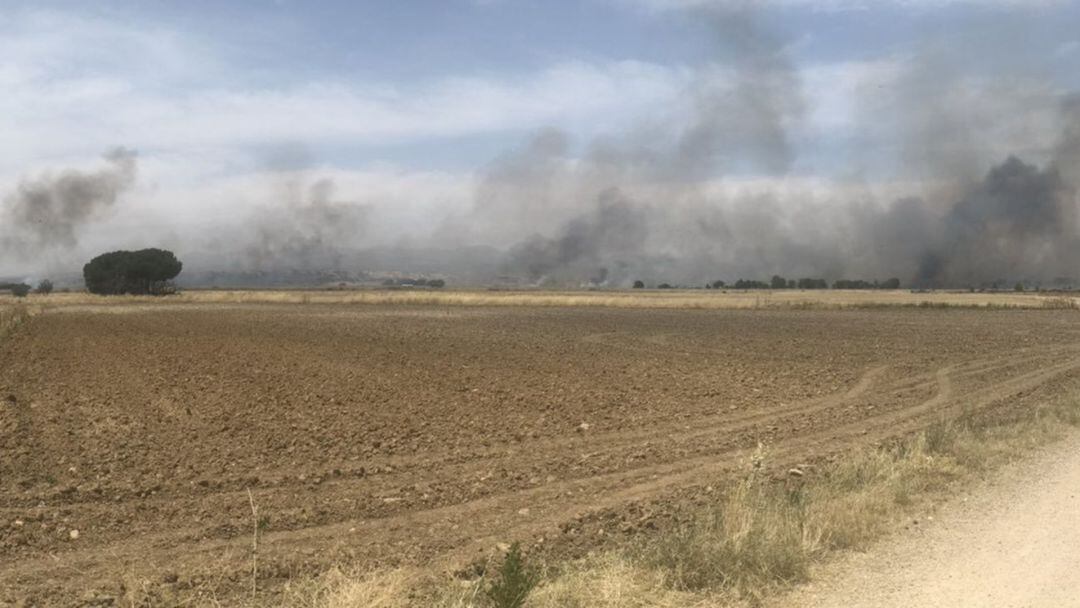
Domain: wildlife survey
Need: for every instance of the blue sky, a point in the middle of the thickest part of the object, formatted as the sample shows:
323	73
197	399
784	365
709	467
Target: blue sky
429	38
416	50
407	104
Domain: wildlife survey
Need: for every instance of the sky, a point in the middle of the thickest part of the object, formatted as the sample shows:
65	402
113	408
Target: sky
407	108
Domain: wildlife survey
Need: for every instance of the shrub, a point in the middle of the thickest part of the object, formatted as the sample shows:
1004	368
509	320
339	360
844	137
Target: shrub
45	286
664	286
514	583
718	284
20	290
639	285
436	283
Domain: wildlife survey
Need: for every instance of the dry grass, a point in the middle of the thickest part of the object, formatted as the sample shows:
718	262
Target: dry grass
756	538
12	315
610	580
762	536
752	538
680	299
380	589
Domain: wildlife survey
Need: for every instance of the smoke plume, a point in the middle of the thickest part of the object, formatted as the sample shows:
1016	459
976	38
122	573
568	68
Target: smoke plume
48	213
307	230
962	168
664	210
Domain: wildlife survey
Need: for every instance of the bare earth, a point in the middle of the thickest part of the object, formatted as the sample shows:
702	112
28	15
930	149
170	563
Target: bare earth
386	435
1015	543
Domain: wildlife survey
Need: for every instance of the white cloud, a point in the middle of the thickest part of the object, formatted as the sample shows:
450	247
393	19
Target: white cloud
1067	49
835	5
74	86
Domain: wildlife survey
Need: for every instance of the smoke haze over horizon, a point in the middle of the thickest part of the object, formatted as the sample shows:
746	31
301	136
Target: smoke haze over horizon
751	144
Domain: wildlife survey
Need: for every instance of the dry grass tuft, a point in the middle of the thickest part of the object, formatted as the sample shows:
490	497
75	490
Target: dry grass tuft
342	588
751	539
1061	303
610	580
13	315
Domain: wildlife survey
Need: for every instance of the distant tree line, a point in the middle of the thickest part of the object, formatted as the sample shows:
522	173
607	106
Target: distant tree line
892	283
19	290
143	272
750	284
779	282
812	284
436	283
641	285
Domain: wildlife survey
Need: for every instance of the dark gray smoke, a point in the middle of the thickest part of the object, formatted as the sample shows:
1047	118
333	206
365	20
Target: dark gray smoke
605	241
644	206
47	213
1018	218
307	230
743	113
1067	150
1019	221
634	206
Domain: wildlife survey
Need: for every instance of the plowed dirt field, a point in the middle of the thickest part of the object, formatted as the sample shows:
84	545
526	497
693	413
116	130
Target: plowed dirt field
426	435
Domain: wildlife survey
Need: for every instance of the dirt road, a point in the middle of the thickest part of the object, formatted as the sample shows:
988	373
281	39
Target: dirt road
1013	543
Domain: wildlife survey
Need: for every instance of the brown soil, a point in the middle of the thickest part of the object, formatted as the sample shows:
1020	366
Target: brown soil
427	435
